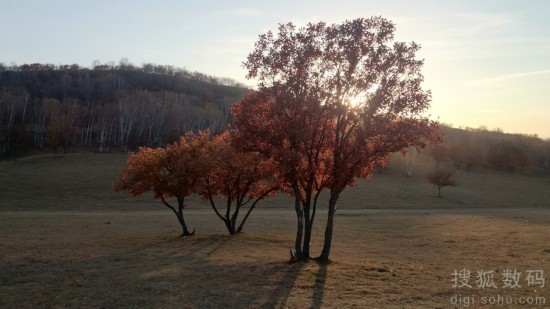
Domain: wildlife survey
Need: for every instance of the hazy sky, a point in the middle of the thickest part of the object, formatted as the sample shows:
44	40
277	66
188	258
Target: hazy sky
487	62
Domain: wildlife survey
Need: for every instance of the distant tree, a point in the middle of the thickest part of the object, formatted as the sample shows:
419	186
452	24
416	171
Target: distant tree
441	179
125	124
440	153
511	152
467	155
509	157
546	152
410	158
333	102
55	127
8	109
13	113
241	179
62	129
70	116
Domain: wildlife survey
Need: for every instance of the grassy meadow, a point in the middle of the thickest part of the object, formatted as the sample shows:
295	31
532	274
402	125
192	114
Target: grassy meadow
68	240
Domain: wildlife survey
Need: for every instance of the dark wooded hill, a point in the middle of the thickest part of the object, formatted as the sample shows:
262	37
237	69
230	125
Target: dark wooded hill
109	107
121	107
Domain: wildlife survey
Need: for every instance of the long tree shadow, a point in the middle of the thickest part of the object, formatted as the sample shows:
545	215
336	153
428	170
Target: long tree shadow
279	296
158	272
206	245
319	287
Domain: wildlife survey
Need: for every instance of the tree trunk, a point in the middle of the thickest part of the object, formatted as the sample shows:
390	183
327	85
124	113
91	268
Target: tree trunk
7	140
7	147
229	226
307	239
181	219
328	230
300	228
234	218
226	220
179	214
239	229
410	158
307	228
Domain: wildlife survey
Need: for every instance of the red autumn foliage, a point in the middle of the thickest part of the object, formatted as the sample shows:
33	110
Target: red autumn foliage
201	164
295	137
239	178
168	172
332	102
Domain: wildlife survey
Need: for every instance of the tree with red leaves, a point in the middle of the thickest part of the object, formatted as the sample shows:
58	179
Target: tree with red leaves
239	178
333	101
205	165
295	137
172	171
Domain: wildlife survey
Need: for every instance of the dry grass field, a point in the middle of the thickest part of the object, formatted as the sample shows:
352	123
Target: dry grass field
69	241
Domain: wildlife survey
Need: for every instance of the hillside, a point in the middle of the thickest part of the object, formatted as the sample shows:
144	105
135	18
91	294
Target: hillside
84	182
107	107
119	107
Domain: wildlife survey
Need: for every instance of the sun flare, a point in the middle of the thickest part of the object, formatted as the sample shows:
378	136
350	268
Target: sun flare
361	98
357	100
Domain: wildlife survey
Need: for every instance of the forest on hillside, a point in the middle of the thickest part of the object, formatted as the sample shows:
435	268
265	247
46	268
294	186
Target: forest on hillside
466	148
109	106
119	107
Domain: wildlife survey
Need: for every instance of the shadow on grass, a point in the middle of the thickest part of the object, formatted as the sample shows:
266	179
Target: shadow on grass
204	245
198	272
279	296
319	287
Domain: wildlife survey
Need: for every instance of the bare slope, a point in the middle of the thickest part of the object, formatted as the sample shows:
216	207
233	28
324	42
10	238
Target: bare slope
84	181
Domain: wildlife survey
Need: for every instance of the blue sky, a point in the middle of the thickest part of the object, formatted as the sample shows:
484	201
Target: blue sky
487	62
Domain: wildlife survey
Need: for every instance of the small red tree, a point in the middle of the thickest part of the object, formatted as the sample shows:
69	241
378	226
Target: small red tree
168	172
441	179
240	178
